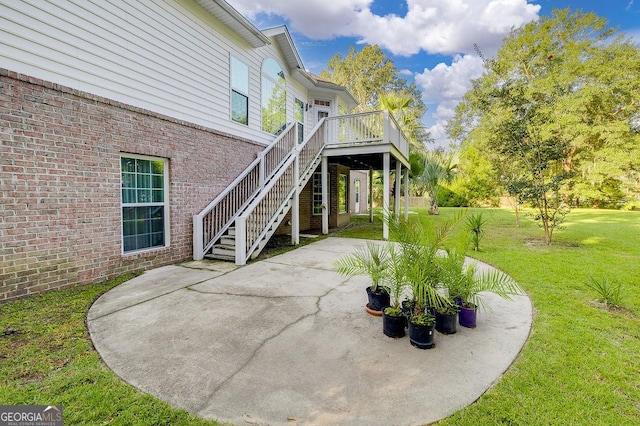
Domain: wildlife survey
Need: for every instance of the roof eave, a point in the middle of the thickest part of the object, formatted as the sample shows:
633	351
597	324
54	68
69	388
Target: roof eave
225	13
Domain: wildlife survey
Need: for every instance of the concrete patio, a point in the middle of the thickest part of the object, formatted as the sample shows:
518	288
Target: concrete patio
287	341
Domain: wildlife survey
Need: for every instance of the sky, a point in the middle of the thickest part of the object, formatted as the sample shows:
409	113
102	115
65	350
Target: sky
431	42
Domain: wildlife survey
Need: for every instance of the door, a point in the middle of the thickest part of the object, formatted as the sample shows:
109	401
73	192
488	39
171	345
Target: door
356	189
321	113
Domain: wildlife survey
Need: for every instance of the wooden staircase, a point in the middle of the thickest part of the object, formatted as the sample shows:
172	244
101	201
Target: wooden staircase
225	249
239	222
237	225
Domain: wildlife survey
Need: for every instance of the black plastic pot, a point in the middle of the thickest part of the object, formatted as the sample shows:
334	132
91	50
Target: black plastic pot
421	336
467	316
378	300
446	323
407	310
393	326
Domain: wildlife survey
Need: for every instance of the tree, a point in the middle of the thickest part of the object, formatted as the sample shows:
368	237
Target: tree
438	170
401	105
374	81
556	97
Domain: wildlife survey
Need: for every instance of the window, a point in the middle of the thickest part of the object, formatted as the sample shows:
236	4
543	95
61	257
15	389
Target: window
299	115
144	206
274	98
342	193
317	193
239	91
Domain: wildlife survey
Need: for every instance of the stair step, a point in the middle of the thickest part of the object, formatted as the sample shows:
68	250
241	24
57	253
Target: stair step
228	257
223	251
228	240
224	246
231	231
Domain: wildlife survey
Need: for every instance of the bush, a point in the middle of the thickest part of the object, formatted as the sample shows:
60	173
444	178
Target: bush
448	198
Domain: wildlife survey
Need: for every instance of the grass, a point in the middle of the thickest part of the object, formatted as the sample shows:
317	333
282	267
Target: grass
582	362
46	358
580	366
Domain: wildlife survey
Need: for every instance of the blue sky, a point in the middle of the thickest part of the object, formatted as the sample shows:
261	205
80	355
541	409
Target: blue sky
430	41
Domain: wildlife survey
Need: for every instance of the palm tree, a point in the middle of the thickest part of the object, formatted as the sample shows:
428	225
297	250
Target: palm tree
438	170
399	104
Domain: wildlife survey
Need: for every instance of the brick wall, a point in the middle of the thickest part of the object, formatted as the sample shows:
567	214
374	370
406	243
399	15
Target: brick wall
60	183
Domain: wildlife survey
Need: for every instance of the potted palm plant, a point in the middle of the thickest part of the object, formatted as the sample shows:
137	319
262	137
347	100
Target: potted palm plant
372	260
420	245
393	320
470	284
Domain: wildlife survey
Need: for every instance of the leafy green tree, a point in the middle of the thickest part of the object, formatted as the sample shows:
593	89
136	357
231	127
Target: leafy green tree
561	93
374	81
476	178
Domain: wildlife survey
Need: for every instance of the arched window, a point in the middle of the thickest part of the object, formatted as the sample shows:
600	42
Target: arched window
274	97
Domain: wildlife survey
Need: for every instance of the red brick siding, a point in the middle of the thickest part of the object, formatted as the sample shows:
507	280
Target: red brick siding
60	183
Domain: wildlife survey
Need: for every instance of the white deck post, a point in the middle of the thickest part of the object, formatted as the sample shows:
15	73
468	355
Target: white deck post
406	194
398	189
197	238
324	169
385	194
241	241
370	201
295	208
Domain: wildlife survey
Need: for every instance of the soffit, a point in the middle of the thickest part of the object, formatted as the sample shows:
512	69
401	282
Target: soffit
226	14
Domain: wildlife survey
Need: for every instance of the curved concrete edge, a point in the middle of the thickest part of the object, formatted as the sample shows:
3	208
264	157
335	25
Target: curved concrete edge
287	341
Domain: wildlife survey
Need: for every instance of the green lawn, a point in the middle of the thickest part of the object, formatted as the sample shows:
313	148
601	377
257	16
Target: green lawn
580	366
46	357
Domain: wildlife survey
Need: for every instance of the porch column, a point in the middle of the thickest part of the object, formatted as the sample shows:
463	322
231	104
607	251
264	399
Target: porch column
370	200
324	170
398	189
406	194
385	195
295	208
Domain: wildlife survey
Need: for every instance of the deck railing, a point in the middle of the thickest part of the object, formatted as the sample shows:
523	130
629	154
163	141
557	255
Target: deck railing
211	223
366	128
255	199
259	217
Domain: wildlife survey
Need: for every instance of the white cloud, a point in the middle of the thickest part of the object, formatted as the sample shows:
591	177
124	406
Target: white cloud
445	86
634	36
433	26
447	27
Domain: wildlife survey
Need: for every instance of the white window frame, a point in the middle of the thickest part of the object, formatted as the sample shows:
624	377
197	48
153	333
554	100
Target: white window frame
164	203
237	90
299	108
318	175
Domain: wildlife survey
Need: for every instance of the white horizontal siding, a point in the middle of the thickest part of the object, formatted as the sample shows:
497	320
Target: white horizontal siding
171	57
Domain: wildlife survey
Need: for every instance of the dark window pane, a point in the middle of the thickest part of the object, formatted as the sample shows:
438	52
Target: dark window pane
157	167
158	196
128	165
142	227
239	108
143	166
128	195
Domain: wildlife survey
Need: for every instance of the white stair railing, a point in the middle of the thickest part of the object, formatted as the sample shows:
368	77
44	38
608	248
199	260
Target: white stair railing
212	222
261	218
258	200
